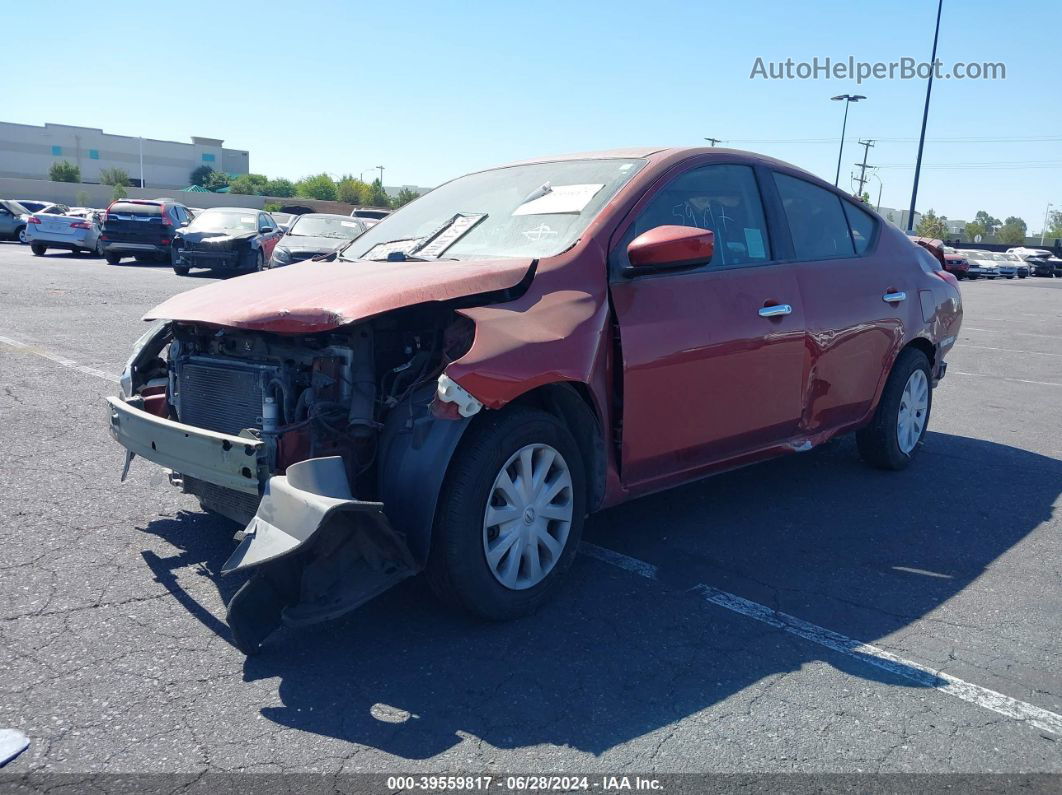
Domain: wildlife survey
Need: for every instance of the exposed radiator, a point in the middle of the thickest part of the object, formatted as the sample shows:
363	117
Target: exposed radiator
221	395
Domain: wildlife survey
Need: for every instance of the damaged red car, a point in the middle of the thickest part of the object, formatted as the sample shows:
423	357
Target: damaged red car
459	387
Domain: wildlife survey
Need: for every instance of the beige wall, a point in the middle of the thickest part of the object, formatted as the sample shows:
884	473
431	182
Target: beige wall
100	195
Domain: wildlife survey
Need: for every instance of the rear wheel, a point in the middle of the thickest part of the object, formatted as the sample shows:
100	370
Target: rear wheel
180	270
20	233
144	259
98	251
112	259
902	416
38	249
510	515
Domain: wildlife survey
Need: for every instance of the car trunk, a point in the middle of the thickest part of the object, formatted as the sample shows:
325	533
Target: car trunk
59	227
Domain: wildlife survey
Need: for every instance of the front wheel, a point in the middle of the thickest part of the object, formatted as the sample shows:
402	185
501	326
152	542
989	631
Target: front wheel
510	515
38	249
902	416
259	261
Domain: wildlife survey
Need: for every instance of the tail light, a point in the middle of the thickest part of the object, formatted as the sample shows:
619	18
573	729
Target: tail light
80	225
33	220
166	220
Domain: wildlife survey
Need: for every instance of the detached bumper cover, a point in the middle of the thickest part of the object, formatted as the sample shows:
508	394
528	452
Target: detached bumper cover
194	258
234	462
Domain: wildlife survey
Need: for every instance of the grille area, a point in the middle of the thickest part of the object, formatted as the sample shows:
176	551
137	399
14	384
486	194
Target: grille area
223	396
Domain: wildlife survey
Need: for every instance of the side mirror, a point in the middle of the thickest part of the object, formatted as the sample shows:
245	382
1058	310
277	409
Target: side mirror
668	248
264	230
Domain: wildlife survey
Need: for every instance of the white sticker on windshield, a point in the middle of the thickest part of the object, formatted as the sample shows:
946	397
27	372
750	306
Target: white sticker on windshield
560	199
754	243
246	219
352	224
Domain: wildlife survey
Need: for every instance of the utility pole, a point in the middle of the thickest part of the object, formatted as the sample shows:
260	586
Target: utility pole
1043	229
381	175
925	118
142	184
867	144
713	141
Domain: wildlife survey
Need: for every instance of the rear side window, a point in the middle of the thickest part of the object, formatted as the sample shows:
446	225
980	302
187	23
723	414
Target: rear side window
817	222
862	226
722	198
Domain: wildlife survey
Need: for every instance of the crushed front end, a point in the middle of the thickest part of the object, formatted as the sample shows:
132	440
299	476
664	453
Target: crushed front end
291	436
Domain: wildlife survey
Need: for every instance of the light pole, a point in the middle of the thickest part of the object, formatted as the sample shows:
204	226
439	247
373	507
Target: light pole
1043	230
849	98
925	118
142	185
381	174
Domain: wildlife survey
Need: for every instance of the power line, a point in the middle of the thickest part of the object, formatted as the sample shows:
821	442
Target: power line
971	140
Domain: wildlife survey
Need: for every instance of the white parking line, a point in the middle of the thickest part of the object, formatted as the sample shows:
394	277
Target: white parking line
966	345
54	357
1005	378
864	652
1012	333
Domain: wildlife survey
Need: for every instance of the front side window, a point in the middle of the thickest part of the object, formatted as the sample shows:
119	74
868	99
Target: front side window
817	222
534	210
722	198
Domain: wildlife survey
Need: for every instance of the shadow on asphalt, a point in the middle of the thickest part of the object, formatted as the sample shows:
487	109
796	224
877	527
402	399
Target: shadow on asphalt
615	656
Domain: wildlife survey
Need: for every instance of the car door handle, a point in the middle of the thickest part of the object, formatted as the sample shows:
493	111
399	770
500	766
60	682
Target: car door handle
776	311
894	298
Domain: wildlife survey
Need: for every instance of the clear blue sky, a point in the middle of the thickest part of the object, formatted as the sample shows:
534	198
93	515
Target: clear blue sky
432	90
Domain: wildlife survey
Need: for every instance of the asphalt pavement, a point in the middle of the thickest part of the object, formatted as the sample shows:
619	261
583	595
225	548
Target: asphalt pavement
791	616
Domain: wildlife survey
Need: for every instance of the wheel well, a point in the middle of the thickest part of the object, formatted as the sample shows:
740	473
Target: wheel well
571	403
924	345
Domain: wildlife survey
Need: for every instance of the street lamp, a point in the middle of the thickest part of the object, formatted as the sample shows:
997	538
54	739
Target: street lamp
848	99
925	118
1043	229
381	175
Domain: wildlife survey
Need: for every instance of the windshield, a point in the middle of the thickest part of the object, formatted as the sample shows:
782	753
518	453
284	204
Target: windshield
336	226
224	221
536	210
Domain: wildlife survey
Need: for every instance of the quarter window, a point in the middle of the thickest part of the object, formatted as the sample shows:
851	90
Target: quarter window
862	226
722	198
817	222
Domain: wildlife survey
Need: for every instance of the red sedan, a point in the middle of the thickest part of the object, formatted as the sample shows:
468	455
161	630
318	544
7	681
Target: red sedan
461	385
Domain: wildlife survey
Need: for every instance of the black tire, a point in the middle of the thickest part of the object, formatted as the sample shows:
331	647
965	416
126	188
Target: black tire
20	235
259	261
98	251
877	442
457	568
180	270
112	259
972	277
144	259
38	249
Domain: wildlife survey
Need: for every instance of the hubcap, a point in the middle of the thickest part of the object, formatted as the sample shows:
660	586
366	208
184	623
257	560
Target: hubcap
914	406
528	516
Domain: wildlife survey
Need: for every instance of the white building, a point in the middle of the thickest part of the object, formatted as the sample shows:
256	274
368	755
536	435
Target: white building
29	151
898	218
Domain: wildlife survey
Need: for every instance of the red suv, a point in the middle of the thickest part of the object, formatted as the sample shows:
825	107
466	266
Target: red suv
457	388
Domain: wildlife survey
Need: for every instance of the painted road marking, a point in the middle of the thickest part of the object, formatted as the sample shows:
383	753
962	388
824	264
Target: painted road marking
966	345
864	652
1005	378
54	357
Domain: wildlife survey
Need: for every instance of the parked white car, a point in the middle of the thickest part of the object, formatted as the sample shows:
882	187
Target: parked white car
982	264
77	233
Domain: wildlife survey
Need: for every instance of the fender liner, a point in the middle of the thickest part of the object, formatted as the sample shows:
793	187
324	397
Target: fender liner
415	453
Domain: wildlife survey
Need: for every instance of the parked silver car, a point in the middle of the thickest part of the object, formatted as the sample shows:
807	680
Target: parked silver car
12	220
78	233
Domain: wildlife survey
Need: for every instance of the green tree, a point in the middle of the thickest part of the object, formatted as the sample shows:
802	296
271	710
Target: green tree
272	207
932	225
249	184
114	177
119	192
973	229
377	196
279	187
1012	231
82	198
351	190
200	176
864	197
318	186
987	223
64	171
405	196
1054	224
216	180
